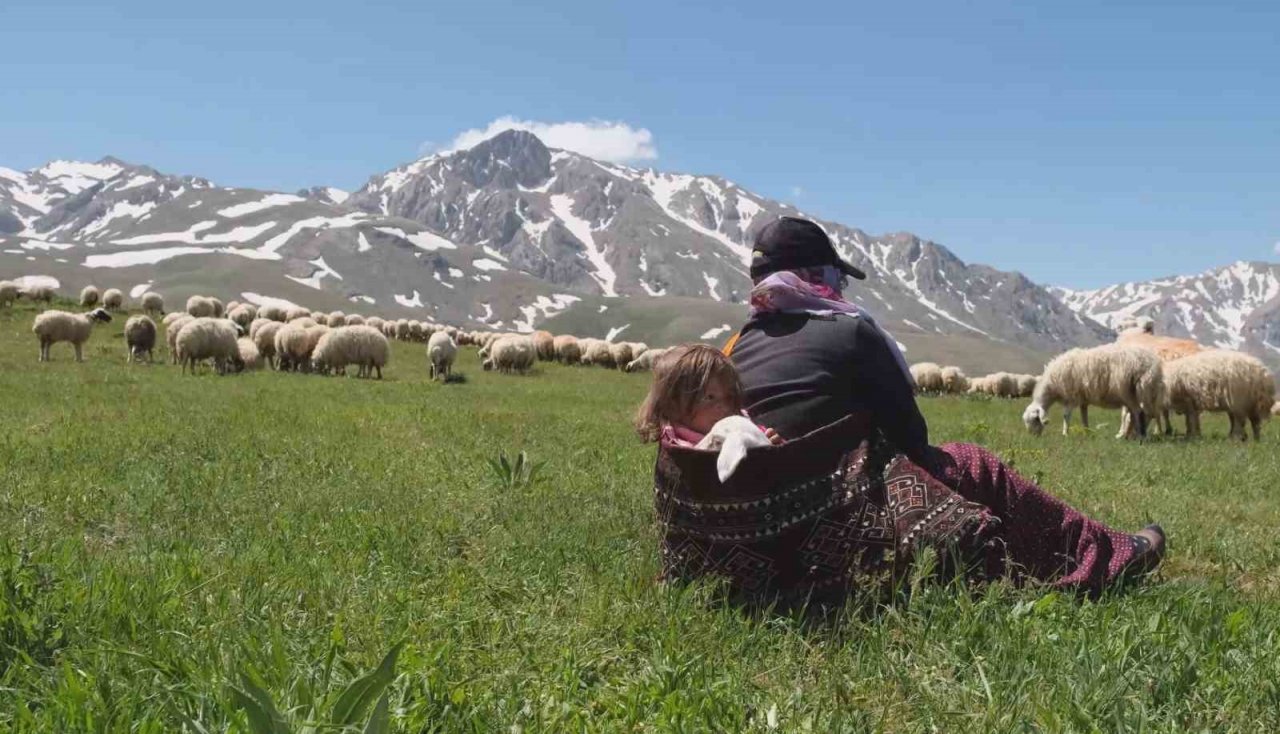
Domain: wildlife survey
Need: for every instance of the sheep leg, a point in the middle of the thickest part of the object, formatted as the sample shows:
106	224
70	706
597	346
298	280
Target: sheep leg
1168	423
1256	422
379	370
1066	419
79	357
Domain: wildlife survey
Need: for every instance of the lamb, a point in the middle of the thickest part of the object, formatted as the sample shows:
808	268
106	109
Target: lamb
272	312
621	354
359	345
567	349
927	376
52	327
8	292
172	327
208	338
201	307
597	352
441	351
1112	375
337	318
645	361
153	303
140	337
513	354
545	344
264	337
250	357
954	381
294	345
1221	380
90	296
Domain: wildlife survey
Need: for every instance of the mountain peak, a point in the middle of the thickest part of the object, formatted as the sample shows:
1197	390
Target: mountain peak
510	158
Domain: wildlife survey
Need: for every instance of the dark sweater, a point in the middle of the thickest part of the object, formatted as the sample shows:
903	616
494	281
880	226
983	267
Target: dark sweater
803	372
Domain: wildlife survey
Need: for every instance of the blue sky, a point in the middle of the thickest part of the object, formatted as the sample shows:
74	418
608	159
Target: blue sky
1082	143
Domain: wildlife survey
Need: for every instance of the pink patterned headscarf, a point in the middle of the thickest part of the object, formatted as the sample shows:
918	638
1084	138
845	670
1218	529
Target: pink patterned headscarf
814	291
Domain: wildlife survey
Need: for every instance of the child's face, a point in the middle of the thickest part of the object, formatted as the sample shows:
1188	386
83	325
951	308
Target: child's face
712	405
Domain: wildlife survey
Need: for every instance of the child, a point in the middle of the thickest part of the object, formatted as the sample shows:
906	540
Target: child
696	400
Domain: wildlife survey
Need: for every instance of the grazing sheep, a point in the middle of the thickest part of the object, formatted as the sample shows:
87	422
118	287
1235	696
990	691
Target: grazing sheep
1026	385
257	324
644	362
337	318
355	319
272	312
243	315
1167	348
597	352
264	337
545	344
218	309
293	313
1221	380
172	327
294	344
567	350
113	299
52	327
201	307
621	354
927	376
996	384
231	305
441	351
8	292
250	357
320	318
360	345
37	293
513	354
416	332
376	322
1112	375
305	322
140	337
172	316
208	338
153	303
90	296
954	381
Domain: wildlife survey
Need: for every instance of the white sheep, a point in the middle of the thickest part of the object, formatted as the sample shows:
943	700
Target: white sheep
37	292
294	344
644	362
545	344
243	315
927	376
337	318
218	309
597	352
52	327
355	319
376	322
512	354
1221	380
621	354
954	381
1112	375
272	312
153	303
8	292
360	345
249	356
140	337
208	338
264	337
293	313
90	296
441	351
172	327
113	299
567	349
201	307
1026	385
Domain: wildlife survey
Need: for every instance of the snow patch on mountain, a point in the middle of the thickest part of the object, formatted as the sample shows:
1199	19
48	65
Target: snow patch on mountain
267	202
581	229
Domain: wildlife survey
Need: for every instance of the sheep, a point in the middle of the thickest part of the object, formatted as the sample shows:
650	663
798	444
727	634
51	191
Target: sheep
153	303
264	337
231	306
355	319
1112	375
320	318
51	327
1166	348
545	344
208	338
243	315
250	357
337	318
140	337
172	327
257	324
597	352
272	312
90	296
568	350
996	384
512	354
293	313
954	381
359	345
8	292
415	331
218	309
441	351
927	376
1221	380
37	293
294	344
645	361
113	299
376	322
200	307
621	354
1026	385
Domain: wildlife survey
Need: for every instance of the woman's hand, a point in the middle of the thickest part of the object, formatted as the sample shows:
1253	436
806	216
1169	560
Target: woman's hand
773	437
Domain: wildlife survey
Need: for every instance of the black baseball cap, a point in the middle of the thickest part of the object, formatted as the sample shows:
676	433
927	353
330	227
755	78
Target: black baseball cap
791	242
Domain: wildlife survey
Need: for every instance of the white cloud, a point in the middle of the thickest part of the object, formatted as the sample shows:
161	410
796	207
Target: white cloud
617	142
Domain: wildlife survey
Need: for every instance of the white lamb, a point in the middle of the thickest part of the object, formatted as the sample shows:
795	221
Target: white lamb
90	296
153	303
208	338
360	345
113	299
1112	375
52	327
927	376
1221	380
512	354
441	351
140	337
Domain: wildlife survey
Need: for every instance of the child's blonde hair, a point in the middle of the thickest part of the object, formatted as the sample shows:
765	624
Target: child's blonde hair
680	377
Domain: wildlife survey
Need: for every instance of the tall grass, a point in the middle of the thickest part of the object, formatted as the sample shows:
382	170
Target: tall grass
167	538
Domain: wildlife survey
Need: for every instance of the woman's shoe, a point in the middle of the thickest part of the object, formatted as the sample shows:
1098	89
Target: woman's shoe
1149	547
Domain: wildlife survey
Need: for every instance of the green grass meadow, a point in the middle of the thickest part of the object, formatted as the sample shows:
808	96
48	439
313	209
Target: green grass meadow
236	553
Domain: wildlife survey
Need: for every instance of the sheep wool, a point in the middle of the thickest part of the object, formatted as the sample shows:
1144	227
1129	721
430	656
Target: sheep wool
271	312
1112	376
293	313
355	319
153	303
264	337
441	352
294	344
512	354
90	296
567	350
644	363
545	344
250	357
954	380
51	327
360	345
621	354
140	337
337	318
243	315
597	352
172	327
200	307
8	292
218	309
208	338
1224	381
112	299
927	376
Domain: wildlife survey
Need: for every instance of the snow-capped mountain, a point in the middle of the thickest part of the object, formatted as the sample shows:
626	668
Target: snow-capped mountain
1234	307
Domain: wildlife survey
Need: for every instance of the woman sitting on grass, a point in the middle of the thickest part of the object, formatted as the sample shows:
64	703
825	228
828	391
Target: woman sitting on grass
857	489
